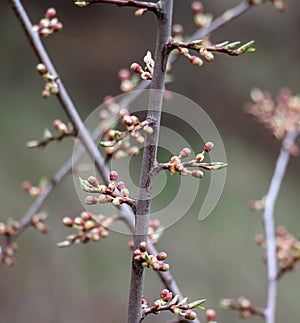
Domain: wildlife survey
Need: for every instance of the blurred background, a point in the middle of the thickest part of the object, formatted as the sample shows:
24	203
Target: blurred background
210	259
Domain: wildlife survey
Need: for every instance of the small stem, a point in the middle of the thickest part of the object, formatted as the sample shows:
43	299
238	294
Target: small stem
151	6
269	224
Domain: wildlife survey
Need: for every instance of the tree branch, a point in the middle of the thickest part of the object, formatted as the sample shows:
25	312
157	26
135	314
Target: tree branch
268	219
151	6
149	157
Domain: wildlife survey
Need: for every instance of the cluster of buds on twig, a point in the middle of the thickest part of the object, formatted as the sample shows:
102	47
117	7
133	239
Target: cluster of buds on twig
206	51
147	72
35	191
7	254
49	24
51	85
168	302
280	116
115	192
287	250
147	260
115	142
89	227
278	4
38	222
128	80
243	305
155	231
201	19
176	165
63	131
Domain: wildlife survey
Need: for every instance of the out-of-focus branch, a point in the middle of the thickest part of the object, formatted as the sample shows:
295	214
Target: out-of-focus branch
269	223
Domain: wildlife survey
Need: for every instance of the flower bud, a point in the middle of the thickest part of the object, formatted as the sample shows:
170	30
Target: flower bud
50	13
190	315
197	7
90	200
135	67
103	198
185	152
197	173
124	74
161	256
210	315
195	60
67	221
164	267
143	246
208	146
113	176
41	68
199	157
148	130
86	216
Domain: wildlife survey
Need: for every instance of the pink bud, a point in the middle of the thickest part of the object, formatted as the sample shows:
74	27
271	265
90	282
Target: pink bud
195	60
210	315
50	13
113	176
197	173
135	67
91	200
208	146
185	152
67	221
41	68
124	74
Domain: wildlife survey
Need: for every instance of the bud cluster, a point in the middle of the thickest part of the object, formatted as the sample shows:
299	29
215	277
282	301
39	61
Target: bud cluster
38	222
278	4
201	19
114	140
287	249
175	164
89	227
147	72
62	129
280	115
168	302
51	85
150	261
49	24
243	306
35	191
206	50
7	254
155	231
115	192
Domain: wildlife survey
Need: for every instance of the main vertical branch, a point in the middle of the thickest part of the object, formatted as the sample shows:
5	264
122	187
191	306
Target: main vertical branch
149	156
269	223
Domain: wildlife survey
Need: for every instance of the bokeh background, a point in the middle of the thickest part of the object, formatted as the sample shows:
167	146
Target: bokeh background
211	259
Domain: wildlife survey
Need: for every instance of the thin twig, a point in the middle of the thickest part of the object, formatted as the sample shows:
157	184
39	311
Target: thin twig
151	6
269	223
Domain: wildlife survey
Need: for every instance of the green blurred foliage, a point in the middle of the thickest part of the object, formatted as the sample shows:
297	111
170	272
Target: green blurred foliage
211	259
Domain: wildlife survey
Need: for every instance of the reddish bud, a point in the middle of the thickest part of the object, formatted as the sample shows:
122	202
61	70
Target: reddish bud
86	216
197	7
104	198
143	246
93	181
164	267
210	315
91	200
41	68
27	186
113	176
185	152
46	93
177	30
148	130
161	256
50	13
135	67
67	221
190	315
208	146
195	60
124	74
197	173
